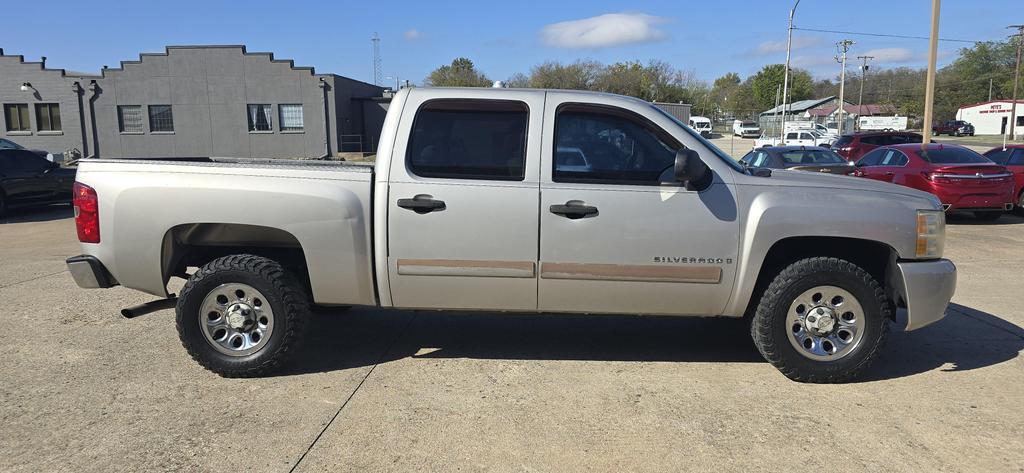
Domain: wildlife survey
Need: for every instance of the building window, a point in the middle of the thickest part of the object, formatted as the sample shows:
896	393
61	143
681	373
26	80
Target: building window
161	118
129	118
16	115
1020	120
291	117
259	117
48	117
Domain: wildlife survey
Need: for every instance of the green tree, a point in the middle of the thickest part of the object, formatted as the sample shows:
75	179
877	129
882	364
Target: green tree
460	73
766	83
579	75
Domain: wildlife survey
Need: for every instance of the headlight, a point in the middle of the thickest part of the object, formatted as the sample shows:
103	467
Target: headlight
931	233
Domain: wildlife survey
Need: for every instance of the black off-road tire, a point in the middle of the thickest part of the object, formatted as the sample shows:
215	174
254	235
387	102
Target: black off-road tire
1019	209
769	324
988	215
286	296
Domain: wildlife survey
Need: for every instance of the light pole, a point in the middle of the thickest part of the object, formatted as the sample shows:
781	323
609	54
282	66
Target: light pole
1016	76
785	76
843	46
929	84
860	96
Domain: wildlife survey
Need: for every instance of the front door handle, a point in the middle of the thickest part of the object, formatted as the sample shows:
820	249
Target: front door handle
421	204
573	209
890	174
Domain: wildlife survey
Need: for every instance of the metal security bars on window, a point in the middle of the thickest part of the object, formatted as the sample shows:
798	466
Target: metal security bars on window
161	119
130	118
291	117
260	118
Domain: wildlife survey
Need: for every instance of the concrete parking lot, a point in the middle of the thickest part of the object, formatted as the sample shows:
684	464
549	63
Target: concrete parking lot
83	389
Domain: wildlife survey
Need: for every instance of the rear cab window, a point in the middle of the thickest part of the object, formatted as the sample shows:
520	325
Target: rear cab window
469	139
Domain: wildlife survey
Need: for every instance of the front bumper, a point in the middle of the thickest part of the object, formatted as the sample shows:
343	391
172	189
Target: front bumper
926	288
89	273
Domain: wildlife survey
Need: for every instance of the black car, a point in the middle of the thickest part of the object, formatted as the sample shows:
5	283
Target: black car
801	158
28	179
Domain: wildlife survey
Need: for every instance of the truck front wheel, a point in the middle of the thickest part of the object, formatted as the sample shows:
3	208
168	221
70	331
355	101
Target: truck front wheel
240	315
821	320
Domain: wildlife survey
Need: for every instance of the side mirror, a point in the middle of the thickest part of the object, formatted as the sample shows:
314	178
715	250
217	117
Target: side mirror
690	170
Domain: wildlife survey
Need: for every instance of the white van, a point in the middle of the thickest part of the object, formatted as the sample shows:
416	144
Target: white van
746	129
701	125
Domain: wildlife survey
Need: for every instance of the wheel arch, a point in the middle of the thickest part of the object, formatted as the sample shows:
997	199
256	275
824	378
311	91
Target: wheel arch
877	258
195	244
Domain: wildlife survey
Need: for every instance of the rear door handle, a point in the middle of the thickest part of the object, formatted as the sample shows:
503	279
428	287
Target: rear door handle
890	174
573	210
421	204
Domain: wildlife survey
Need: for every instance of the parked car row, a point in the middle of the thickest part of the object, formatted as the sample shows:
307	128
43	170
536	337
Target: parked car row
987	185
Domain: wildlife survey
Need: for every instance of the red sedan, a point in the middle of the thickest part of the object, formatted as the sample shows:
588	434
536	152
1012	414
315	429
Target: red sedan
961	178
1013	158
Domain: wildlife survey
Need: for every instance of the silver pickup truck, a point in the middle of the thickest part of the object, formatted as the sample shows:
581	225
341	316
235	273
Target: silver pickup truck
517	200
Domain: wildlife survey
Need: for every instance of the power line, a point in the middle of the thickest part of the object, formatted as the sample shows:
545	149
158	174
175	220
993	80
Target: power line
861	33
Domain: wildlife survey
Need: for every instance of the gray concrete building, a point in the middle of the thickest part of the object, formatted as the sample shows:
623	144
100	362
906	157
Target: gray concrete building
189	101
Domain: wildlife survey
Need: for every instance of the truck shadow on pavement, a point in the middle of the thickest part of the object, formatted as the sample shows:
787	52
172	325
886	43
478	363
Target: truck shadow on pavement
965	339
38	214
961	218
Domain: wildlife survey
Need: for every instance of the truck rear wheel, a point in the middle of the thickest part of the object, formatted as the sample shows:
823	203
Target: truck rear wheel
240	315
821	320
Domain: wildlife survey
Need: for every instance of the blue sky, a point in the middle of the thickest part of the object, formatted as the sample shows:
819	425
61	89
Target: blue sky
501	37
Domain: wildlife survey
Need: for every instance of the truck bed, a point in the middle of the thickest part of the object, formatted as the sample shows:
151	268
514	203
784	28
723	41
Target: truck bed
321	208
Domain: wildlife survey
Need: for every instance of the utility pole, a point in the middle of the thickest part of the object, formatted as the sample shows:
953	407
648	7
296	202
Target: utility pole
860	97
989	89
1016	77
778	90
785	76
842	47
929	84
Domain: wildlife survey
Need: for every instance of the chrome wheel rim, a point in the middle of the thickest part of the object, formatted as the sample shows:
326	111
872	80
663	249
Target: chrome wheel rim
825	323
237	320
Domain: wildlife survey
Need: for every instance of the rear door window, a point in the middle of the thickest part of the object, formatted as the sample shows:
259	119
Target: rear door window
872	158
1017	158
469	139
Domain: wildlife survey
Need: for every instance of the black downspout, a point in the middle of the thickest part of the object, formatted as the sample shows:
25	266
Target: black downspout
327	119
95	89
76	87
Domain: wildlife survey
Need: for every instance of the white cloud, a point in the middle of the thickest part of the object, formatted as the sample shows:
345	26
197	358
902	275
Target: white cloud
412	34
610	29
799	42
890	55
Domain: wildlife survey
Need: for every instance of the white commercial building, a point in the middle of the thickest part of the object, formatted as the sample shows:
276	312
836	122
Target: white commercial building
992	118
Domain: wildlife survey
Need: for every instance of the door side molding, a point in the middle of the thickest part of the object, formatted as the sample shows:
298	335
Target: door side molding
476	268
617	272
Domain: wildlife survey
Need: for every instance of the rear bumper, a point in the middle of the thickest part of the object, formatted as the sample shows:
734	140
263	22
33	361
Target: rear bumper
926	287
89	273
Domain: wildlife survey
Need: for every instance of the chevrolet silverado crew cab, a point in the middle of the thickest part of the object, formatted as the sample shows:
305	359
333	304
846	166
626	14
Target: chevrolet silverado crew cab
518	201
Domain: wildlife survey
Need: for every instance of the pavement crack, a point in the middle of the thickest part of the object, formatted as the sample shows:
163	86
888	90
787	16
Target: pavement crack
380	359
32	279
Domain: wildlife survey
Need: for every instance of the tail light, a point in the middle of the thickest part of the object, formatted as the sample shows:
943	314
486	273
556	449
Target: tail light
87	213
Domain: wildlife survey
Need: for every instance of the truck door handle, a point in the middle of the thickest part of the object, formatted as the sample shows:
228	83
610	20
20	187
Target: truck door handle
573	209
421	204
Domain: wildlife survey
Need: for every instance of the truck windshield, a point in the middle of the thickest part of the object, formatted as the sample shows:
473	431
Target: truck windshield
714	149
